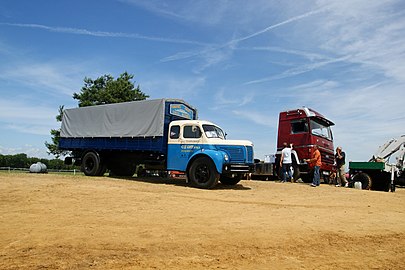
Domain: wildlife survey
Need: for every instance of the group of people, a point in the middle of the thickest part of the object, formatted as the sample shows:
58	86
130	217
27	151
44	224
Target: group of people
315	161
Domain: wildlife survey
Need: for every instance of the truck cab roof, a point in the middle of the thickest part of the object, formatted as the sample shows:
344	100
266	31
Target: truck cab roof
305	112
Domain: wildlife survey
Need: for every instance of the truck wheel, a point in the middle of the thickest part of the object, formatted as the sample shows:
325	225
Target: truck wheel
297	173
203	173
365	180
229	181
91	164
103	169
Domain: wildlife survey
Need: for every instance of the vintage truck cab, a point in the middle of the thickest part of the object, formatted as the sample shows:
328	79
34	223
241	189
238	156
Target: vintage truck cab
201	149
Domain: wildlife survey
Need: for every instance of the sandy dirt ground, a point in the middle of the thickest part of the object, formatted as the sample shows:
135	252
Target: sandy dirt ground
52	221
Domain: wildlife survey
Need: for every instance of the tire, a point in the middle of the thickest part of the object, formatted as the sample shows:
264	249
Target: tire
91	164
365	180
102	170
203	174
297	173
229	181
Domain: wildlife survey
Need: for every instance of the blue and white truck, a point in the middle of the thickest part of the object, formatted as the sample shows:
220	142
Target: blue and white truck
160	134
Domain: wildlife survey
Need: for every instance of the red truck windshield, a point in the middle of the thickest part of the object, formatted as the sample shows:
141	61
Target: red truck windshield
319	129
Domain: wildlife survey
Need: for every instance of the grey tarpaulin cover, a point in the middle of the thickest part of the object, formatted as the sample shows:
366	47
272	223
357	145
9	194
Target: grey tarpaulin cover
128	119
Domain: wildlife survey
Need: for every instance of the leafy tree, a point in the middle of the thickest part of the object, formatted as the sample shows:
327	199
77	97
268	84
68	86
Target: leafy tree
106	90
55	134
103	90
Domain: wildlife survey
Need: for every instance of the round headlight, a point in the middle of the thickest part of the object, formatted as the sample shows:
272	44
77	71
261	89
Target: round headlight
226	157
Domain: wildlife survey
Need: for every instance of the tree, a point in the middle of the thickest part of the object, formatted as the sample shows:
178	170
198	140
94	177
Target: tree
55	134
103	90
106	90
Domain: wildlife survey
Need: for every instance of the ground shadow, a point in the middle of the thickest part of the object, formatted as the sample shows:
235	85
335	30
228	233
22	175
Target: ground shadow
177	182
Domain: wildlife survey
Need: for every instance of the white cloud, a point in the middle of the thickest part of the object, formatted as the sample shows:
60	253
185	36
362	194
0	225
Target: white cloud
298	70
197	11
256	117
372	32
30	150
42	76
26	117
186	88
215	54
230	98
79	31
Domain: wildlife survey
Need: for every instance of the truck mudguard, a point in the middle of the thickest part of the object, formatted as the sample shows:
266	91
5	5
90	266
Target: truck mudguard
218	157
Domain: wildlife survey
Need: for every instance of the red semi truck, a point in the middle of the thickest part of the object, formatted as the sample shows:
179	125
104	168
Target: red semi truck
304	128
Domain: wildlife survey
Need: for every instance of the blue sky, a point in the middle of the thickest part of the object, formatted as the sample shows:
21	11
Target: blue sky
239	62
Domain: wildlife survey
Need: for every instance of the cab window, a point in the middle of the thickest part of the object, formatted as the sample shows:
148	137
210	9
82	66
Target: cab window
299	127
191	132
174	132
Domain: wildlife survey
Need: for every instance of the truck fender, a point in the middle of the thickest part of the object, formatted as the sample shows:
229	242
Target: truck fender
218	157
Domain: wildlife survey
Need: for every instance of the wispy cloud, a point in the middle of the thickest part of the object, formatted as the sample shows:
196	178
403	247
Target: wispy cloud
186	88
51	78
303	54
222	98
226	49
79	31
299	70
196	11
27	117
372	32
271	27
256	117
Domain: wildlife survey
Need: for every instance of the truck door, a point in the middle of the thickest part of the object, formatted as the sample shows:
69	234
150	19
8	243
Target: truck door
188	141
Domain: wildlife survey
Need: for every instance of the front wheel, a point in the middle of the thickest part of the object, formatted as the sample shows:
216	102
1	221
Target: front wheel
203	174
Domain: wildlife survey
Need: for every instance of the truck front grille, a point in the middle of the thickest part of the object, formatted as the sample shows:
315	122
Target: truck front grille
238	153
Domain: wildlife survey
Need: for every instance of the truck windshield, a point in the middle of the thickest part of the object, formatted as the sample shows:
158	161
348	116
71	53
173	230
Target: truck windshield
320	129
213	132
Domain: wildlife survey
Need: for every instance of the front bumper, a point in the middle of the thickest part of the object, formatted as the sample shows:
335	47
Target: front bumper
237	168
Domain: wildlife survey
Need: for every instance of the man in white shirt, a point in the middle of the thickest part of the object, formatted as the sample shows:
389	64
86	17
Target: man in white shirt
285	163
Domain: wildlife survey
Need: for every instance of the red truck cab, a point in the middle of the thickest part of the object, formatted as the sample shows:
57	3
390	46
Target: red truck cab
305	128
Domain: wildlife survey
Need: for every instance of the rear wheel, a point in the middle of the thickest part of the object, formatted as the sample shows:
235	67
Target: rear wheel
365	180
91	164
203	174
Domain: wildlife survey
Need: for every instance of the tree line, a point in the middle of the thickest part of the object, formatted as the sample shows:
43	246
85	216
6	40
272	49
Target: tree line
23	161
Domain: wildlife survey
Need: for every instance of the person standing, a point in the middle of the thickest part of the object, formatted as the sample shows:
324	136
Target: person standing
285	163
340	157
316	162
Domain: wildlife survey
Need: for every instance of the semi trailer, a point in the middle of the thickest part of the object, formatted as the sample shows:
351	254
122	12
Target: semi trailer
160	134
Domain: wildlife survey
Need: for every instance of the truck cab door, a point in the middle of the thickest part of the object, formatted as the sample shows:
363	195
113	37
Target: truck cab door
182	145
